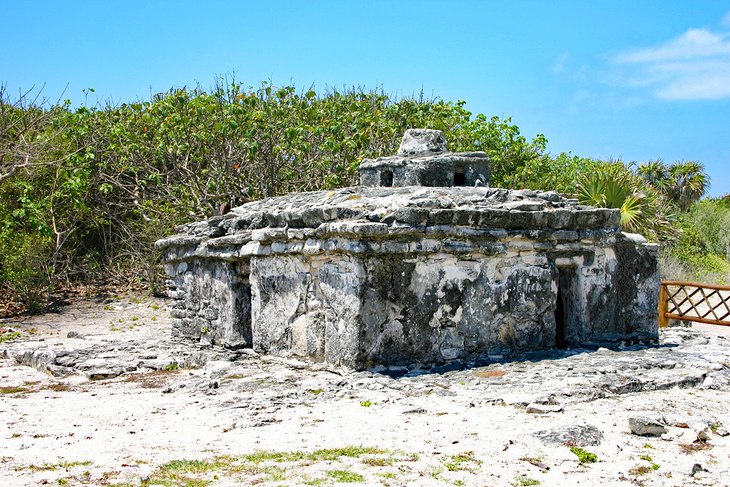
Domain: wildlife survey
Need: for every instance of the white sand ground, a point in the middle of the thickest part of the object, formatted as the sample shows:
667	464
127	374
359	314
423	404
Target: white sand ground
430	430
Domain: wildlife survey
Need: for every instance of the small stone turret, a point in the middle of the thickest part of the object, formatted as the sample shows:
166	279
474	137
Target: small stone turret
423	159
422	142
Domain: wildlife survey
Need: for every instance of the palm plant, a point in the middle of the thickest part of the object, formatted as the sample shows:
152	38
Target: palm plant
683	183
688	182
643	210
655	173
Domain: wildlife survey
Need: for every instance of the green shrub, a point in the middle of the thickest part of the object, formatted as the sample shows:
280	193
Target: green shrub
702	250
23	267
103	183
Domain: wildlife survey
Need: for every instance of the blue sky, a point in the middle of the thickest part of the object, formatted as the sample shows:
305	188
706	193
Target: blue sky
637	80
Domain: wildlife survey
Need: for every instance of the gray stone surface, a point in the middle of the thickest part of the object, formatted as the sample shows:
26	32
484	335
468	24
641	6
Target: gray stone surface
645	426
543	408
443	170
576	435
683	358
420	141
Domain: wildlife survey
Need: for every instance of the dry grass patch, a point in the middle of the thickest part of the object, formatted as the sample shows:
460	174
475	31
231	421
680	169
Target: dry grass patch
13	390
58	387
489	374
689	448
378	461
152	380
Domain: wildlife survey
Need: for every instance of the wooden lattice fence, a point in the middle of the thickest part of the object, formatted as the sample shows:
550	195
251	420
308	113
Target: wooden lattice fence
692	301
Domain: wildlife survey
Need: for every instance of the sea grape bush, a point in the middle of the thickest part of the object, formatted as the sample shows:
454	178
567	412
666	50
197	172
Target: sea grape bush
84	192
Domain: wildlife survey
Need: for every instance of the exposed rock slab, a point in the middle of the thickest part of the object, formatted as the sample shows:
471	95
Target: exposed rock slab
576	435
645	426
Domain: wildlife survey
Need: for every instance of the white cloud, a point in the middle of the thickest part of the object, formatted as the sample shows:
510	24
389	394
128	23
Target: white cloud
559	62
693	44
564	65
693	66
725	22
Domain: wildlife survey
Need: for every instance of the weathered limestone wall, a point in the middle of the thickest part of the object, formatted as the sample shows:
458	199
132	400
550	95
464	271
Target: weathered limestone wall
359	310
610	293
212	301
356	311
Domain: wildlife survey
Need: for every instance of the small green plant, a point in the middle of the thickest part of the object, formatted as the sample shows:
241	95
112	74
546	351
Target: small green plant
175	472
275	473
436	473
316	392
9	335
191	466
171	366
366	404
715	426
522	480
584	456
652	465
462	461
205	330
134	318
648	446
315	456
345	476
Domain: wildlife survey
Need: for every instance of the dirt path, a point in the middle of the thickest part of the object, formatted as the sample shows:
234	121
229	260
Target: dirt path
160	411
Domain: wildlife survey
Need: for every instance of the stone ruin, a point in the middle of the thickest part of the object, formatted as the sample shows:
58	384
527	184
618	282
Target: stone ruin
422	263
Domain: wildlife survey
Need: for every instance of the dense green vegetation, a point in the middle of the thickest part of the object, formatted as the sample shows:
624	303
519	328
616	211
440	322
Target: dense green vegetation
85	192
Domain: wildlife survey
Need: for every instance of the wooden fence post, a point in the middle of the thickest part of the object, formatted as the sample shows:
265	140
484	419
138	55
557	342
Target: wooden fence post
663	321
